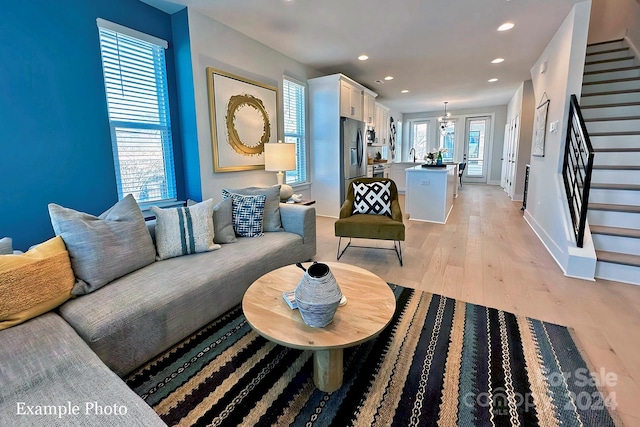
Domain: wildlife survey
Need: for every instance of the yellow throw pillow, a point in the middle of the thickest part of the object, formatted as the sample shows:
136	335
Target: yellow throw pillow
34	282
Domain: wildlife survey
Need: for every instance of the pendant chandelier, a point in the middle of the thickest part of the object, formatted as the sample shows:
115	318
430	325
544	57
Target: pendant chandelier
444	122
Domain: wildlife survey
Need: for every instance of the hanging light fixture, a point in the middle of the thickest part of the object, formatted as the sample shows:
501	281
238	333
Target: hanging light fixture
444	122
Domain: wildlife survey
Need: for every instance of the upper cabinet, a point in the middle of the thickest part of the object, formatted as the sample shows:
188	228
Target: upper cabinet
381	124
369	108
350	100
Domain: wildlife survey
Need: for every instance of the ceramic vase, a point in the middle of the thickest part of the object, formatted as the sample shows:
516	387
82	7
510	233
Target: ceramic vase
318	296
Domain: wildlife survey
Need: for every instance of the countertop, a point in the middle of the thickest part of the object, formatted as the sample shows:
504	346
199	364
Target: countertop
444	169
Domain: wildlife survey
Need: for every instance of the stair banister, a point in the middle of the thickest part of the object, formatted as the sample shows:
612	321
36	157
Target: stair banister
577	168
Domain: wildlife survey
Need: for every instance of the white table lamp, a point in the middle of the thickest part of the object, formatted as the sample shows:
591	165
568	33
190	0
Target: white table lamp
280	157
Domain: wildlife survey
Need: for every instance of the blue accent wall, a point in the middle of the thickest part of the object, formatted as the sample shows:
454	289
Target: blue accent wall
55	144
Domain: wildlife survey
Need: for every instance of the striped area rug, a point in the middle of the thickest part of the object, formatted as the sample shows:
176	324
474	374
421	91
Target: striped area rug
440	362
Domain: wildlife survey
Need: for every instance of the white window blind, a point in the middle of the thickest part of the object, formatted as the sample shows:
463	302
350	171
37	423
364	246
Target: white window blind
294	127
135	80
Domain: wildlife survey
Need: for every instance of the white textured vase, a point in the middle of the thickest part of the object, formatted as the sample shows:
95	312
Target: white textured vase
318	296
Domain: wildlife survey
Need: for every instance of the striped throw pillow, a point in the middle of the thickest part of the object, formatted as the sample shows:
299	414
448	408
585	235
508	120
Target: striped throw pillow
183	231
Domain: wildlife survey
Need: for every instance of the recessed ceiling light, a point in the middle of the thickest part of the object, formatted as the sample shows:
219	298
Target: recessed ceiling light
363	57
389	78
497	60
506	26
404	91
493	80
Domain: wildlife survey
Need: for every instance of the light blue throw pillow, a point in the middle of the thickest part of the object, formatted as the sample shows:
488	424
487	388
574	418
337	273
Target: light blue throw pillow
6	246
271	219
106	247
248	213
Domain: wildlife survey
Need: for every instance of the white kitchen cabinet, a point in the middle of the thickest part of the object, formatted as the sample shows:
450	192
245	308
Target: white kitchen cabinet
325	152
369	108
350	100
387	170
369	171
382	124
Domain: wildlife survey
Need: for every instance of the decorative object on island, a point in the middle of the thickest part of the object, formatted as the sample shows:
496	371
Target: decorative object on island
434	157
243	116
280	157
540	130
444	122
317	295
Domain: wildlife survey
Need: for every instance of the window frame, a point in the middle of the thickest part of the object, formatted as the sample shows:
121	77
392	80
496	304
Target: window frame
412	138
299	137
153	128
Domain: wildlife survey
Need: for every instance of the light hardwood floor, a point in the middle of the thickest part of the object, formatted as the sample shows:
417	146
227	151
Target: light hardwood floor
487	254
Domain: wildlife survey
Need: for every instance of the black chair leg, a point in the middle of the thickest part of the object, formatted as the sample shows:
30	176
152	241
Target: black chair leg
339	254
398	250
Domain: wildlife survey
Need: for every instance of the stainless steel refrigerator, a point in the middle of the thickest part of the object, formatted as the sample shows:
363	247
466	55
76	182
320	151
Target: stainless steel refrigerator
352	157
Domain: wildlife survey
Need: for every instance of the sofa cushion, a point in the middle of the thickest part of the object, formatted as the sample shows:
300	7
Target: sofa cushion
372	198
271	220
248	213
6	246
184	230
143	313
46	364
35	282
106	247
223	222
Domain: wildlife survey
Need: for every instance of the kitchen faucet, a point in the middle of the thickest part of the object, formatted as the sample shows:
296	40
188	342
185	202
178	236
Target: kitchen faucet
414	154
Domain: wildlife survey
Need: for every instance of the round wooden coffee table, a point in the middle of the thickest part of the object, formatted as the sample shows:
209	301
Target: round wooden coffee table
370	307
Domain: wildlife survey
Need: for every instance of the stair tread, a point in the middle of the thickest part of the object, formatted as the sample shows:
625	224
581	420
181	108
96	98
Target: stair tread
607	186
611	119
616	208
605	42
617	167
604	61
600	82
618	258
619	133
610	92
619	49
617	150
612	70
615	231
610	105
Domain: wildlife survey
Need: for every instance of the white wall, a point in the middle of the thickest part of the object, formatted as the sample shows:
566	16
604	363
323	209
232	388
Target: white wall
499	119
216	45
547	210
615	19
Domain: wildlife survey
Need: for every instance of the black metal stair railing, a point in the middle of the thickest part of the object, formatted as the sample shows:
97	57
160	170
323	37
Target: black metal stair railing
577	168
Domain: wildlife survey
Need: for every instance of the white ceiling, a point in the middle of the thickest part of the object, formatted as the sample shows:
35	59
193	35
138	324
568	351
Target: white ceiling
440	50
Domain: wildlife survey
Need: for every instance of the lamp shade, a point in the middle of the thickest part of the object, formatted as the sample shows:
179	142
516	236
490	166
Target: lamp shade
279	157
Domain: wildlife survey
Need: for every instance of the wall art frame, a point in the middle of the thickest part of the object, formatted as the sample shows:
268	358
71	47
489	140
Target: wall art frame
243	117
540	127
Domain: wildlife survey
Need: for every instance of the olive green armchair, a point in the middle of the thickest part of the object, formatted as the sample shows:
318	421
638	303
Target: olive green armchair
369	225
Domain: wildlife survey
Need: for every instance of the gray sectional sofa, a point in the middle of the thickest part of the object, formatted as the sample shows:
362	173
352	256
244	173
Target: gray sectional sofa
74	358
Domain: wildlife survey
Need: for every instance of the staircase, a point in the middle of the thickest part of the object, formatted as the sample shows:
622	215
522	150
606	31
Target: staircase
610	104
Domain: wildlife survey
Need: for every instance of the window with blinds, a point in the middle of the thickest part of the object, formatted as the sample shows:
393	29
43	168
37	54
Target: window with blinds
135	79
294	129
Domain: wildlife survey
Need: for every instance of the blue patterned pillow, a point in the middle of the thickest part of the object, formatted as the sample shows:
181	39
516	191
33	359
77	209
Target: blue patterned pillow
248	212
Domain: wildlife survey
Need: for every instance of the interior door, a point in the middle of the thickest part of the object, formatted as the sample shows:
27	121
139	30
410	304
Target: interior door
511	155
477	137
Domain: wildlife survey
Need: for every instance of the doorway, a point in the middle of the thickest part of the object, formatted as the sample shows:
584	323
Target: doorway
477	135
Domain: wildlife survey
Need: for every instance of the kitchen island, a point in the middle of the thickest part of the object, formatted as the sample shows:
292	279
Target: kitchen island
430	192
